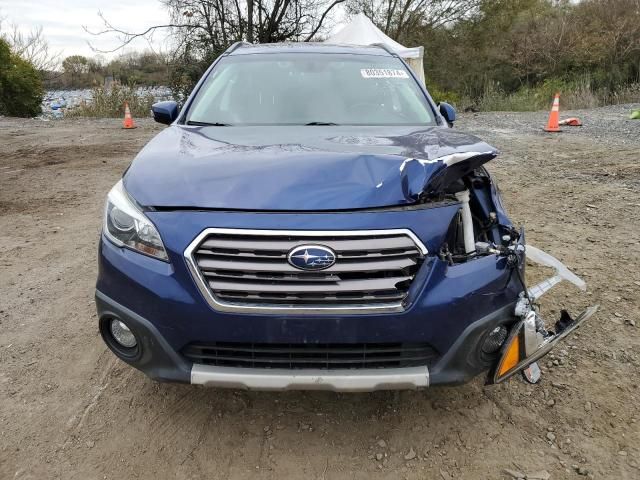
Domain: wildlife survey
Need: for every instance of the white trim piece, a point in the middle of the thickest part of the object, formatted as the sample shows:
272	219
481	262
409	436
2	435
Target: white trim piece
467	222
365	380
543	258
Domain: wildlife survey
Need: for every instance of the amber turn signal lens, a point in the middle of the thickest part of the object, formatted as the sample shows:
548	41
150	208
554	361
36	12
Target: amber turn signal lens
511	356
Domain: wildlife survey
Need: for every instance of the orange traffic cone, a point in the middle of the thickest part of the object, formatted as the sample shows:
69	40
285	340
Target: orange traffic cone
554	116
128	120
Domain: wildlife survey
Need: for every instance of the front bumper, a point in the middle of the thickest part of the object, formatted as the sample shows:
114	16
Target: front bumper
161	362
450	308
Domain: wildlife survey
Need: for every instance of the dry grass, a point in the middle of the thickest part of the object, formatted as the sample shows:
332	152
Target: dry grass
575	95
110	103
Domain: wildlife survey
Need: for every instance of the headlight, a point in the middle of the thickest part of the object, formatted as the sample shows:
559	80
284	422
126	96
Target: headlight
126	226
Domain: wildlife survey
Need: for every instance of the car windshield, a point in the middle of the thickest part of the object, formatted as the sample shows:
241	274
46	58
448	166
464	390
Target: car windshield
310	89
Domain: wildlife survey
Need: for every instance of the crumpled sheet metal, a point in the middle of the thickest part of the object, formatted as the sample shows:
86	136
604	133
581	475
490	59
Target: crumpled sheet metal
430	176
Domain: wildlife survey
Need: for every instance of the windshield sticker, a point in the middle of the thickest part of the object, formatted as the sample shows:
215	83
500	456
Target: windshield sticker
383	73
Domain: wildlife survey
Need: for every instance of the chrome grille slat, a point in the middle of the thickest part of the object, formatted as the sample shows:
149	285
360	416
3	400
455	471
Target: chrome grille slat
379	297
285	245
269	276
248	270
243	255
381	254
363	265
368	285
353	254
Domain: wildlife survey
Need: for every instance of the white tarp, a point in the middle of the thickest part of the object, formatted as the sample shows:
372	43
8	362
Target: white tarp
362	31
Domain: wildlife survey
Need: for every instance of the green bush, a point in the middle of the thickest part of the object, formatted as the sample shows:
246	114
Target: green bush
523	100
441	95
576	93
20	85
109	102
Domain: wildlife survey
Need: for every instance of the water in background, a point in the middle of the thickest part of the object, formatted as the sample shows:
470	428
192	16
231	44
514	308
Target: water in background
56	102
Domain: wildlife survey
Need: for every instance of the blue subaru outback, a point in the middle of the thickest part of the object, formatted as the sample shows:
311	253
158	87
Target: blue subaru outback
310	220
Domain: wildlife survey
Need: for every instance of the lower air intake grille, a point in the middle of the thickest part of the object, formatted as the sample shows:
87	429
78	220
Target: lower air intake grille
308	356
250	270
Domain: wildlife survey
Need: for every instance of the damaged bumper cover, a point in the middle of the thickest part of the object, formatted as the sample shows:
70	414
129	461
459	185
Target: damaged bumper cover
452	307
529	340
162	362
460	363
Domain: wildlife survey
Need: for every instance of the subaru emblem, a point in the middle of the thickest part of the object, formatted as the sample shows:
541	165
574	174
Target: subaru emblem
311	257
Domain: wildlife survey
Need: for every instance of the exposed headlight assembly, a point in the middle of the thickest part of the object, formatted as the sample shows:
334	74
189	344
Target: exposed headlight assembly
126	226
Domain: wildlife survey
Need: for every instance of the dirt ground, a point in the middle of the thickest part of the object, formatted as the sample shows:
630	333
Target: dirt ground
70	410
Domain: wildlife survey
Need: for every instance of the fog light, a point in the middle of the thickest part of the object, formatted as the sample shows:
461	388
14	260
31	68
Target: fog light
122	334
495	339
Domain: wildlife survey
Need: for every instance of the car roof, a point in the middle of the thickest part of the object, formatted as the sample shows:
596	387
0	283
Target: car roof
243	48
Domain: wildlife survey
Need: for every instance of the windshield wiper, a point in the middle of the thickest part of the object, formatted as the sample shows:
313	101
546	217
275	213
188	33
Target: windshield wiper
208	124
320	123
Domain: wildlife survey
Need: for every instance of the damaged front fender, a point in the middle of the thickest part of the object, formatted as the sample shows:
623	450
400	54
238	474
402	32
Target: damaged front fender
426	178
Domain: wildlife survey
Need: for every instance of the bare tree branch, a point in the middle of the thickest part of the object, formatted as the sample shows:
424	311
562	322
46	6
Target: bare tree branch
127	37
322	18
31	46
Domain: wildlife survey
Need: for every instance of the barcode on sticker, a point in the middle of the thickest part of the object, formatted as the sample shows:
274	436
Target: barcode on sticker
383	73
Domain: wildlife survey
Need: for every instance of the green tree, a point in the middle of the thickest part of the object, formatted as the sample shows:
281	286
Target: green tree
76	66
534	47
20	85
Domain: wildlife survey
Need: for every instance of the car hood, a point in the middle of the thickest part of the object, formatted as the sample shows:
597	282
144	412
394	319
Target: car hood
300	168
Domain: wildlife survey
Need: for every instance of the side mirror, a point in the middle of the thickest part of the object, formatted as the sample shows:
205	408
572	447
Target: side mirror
448	112
165	112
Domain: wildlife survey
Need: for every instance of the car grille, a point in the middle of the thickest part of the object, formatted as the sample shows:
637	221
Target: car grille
250	268
312	356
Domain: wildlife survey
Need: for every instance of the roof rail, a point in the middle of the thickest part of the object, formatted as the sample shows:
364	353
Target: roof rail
235	46
385	48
